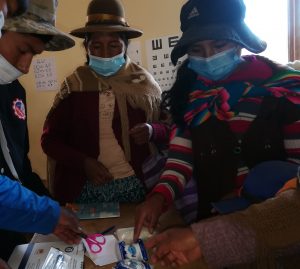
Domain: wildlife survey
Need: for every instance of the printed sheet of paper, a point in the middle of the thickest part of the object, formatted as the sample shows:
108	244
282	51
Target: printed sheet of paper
159	61
45	74
33	255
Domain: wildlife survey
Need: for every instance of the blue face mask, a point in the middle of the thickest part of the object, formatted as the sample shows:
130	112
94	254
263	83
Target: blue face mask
216	67
8	73
107	66
1	22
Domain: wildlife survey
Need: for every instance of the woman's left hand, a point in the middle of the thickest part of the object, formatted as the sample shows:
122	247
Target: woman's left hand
141	133
4	265
174	247
96	172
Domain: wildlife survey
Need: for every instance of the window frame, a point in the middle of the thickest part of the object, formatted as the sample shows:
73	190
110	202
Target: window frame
294	30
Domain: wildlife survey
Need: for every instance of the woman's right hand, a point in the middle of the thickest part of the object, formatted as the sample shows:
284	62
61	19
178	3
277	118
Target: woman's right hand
96	172
147	214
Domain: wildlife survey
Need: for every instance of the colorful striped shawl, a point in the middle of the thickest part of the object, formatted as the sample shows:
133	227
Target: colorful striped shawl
219	101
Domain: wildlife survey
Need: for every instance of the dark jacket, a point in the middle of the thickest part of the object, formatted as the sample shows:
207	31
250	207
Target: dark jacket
223	149
22	210
13	117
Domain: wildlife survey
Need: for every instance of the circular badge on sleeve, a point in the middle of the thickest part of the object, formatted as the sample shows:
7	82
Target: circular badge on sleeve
19	109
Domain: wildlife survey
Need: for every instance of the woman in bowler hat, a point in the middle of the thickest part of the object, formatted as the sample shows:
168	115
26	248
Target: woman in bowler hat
231	113
104	121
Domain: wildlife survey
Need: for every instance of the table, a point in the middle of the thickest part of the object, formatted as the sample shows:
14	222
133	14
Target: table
126	219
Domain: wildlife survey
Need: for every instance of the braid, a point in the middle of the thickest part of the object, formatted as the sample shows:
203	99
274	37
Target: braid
22	7
176	99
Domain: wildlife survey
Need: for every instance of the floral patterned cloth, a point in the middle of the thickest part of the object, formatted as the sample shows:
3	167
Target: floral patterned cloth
205	101
129	189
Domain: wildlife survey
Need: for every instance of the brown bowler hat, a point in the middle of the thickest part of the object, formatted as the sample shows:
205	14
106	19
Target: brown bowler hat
106	16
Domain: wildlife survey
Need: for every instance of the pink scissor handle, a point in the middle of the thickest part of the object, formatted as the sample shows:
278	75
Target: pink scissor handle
95	242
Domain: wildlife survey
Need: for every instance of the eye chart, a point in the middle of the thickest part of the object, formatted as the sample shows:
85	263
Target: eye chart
45	74
159	60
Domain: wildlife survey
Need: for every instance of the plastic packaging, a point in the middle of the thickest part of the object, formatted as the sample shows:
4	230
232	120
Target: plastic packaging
132	264
136	251
56	259
126	234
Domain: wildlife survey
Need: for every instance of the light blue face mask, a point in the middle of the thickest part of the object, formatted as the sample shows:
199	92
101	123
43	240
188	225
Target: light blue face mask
216	67
1	22
107	66
8	73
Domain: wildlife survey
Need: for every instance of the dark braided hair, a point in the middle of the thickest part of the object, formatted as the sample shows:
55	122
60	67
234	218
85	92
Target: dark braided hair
22	7
175	100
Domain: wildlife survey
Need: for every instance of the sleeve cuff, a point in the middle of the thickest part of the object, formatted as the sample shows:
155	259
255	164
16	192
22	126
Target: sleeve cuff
168	198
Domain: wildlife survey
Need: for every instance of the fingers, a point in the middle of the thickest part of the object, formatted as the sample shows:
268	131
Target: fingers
67	228
152	224
137	128
178	258
68	218
170	258
144	218
67	235
161	250
96	172
138	225
174	247
141	140
104	173
162	247
147	214
140	133
154	240
101	174
4	265
102	178
194	254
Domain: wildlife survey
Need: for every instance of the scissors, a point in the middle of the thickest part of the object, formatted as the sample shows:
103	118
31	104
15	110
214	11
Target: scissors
95	242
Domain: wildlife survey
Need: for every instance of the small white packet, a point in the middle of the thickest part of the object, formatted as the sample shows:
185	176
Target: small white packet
126	234
56	259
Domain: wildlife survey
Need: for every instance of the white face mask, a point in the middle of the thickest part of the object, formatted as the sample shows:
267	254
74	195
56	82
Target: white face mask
1	22
8	73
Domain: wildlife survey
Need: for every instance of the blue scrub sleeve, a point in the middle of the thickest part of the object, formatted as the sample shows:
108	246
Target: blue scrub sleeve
22	210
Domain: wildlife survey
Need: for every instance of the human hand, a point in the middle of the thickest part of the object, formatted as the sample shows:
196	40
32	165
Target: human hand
174	247
96	172
147	214
4	265
67	228
141	133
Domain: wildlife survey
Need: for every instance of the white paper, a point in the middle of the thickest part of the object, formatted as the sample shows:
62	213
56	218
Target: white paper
45	74
159	60
110	252
41	238
37	253
134	52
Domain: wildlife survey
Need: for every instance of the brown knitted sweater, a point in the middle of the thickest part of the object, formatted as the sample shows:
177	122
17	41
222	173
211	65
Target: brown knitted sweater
266	235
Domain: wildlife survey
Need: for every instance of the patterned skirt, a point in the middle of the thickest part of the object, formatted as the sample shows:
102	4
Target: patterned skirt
129	189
